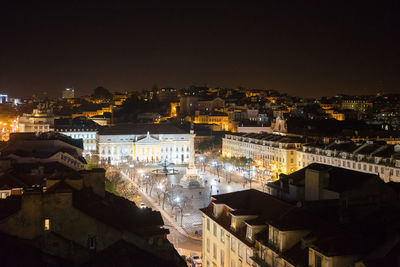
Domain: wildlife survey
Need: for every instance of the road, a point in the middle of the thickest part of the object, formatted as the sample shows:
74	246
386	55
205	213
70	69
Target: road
183	244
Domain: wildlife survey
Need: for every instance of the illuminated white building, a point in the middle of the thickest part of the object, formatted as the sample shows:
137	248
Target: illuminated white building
39	121
88	136
143	143
369	157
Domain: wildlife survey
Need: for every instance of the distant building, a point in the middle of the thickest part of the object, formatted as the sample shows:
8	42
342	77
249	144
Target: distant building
325	182
88	136
356	104
143	143
3	99
189	104
68	93
94	112
217	118
39	121
43	148
275	153
372	157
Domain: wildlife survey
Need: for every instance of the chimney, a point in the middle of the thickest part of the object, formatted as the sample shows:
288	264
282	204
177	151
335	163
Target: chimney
95	179
315	181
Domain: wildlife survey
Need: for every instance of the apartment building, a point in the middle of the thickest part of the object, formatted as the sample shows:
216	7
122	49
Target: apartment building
276	153
231	223
252	228
370	157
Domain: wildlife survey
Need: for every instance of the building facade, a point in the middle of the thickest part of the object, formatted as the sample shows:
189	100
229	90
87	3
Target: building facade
88	136
145	143
68	93
277	154
369	157
39	121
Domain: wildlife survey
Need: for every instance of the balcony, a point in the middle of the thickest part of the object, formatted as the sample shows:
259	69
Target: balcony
260	262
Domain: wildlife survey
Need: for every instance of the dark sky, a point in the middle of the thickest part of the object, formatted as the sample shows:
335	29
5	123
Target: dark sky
305	48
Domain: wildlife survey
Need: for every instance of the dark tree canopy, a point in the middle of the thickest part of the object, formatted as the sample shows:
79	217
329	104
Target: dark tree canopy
101	93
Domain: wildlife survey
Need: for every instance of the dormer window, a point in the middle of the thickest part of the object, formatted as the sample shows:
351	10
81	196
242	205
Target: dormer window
233	223
47	224
249	233
215	211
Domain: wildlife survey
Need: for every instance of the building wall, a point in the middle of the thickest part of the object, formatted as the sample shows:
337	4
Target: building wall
275	157
339	261
89	139
232	251
65	220
386	173
122	148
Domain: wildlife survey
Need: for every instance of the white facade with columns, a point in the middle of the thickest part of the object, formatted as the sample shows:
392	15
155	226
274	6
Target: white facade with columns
144	145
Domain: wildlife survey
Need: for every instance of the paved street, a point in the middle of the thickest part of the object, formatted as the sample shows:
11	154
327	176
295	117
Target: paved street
187	237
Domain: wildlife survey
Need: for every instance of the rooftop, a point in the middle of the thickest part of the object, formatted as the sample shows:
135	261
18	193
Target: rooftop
141	129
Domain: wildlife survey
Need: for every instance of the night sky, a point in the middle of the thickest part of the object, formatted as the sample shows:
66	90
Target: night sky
304	48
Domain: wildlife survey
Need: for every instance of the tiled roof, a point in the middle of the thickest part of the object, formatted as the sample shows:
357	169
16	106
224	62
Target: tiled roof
141	129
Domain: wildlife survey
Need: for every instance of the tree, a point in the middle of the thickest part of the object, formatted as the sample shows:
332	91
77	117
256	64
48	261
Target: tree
101	93
155	180
204	146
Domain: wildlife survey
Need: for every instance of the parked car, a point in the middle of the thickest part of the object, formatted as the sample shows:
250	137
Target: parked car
195	259
142	205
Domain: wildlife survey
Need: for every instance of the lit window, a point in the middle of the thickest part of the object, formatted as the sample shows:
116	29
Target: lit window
248	255
47	224
239	249
214	229
214	251
233	244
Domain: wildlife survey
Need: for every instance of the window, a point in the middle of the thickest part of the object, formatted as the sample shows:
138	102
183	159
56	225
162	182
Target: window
239	249
222	258
208	245
214	229
317	261
208	224
214	251
233	223
233	244
249	233
47	224
273	260
222	236
208	264
262	253
92	242
275	237
232	263
248	255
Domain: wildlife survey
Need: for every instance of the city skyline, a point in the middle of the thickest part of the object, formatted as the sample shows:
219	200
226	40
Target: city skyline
303	49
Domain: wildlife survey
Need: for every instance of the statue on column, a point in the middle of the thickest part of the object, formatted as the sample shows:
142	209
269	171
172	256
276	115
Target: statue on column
191	171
